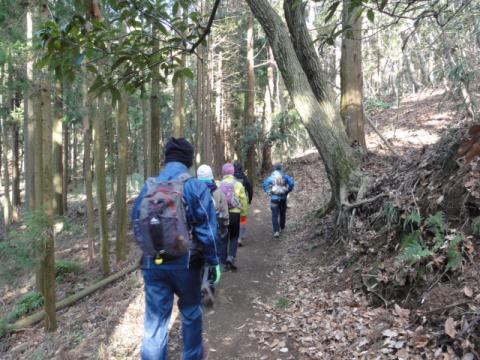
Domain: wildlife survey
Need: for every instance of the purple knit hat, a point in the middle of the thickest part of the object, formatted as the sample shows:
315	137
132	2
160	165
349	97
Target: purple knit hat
228	169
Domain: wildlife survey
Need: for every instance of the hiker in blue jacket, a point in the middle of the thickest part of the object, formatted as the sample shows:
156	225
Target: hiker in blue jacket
278	185
180	276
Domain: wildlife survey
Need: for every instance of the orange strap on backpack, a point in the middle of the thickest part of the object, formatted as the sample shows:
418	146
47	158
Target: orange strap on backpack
243	220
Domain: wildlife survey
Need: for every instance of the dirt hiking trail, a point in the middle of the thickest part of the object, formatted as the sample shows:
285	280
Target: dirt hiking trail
232	324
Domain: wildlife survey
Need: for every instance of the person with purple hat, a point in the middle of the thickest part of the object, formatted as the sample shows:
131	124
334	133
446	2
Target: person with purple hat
237	202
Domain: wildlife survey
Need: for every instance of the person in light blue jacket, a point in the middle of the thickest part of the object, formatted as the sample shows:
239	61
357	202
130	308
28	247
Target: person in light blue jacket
180	276
278	185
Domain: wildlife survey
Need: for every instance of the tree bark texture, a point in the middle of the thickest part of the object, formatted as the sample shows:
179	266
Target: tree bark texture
351	76
87	170
28	119
58	150
268	111
7	204
48	261
100	176
155	121
249	118
319	115
66	164
121	193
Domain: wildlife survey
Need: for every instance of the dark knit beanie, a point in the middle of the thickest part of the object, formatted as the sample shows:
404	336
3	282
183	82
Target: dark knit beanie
179	150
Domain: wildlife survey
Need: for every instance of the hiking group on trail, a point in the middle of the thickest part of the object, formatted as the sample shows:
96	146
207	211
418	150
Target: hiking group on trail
189	230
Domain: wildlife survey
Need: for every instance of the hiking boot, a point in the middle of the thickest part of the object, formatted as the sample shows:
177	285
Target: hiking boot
276	234
226	267
231	264
240	242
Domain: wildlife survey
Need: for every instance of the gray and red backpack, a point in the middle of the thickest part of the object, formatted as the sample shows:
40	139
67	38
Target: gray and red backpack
162	225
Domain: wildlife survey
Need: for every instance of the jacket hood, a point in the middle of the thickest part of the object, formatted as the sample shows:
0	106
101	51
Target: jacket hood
238	168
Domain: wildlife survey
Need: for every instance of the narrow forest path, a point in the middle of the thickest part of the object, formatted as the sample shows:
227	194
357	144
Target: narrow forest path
231	325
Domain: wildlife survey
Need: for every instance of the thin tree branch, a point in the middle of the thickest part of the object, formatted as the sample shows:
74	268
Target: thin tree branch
207	29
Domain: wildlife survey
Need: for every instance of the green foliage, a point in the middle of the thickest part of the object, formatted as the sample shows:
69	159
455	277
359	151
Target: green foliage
412	219
131	57
476	226
3	327
454	254
282	303
436	224
64	267
27	304
70	227
389	213
413	248
372	104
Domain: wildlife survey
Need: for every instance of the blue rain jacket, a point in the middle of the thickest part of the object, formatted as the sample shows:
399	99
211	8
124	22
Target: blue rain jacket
200	212
268	183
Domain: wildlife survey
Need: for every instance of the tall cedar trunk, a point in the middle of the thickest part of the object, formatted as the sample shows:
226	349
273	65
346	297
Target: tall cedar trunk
319	116
100	175
58	150
66	163
7	204
199	114
268	111
179	95
38	170
28	118
219	127
16	201
250	102
48	260
351	83
121	193
75	148
87	169
110	147
155	121
207	156
146	137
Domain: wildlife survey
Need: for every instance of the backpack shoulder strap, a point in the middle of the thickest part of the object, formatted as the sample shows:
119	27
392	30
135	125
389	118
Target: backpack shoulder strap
184	177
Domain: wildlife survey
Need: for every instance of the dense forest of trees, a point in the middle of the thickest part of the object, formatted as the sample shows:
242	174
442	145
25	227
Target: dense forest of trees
91	90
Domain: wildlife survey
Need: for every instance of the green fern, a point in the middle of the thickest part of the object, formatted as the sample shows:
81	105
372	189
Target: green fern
454	255
413	248
476	226
413	218
63	267
389	213
27	304
436	224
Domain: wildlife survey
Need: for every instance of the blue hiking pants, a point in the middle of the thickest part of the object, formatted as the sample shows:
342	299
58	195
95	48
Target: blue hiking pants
279	212
160	286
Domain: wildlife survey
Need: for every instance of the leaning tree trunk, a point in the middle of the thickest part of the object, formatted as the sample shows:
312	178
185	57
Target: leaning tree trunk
351	77
121	193
250	103
320	115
